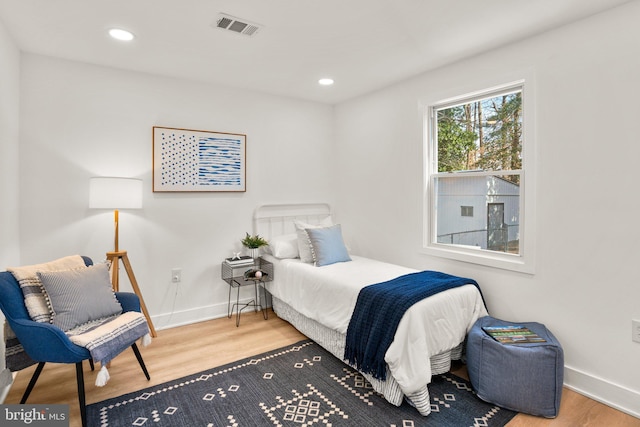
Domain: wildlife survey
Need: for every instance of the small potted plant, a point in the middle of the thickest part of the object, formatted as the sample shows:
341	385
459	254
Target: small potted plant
253	243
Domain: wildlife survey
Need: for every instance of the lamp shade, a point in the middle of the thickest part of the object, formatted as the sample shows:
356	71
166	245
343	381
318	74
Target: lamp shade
115	193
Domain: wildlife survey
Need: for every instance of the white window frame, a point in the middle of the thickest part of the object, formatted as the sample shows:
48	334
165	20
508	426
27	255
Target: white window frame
524	261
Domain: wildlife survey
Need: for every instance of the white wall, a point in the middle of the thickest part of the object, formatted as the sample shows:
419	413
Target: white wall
79	121
585	288
9	124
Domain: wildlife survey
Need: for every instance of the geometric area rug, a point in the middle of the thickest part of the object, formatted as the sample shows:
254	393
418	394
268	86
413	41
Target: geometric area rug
298	385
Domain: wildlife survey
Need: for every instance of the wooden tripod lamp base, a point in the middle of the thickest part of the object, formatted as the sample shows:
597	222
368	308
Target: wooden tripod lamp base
115	258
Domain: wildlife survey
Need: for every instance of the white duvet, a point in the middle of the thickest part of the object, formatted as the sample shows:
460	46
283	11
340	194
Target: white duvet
328	295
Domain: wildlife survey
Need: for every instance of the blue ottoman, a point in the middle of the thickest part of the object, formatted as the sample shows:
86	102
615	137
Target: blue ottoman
521	377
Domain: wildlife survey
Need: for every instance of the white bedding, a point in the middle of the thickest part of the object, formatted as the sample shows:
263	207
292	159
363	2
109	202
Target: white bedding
328	296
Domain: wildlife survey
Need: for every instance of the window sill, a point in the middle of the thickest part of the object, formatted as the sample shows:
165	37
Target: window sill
482	257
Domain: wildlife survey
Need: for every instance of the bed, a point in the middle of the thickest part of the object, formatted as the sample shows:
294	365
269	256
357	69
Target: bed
319	301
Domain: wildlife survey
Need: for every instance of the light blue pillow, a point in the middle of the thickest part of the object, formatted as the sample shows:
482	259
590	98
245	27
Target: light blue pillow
327	245
304	246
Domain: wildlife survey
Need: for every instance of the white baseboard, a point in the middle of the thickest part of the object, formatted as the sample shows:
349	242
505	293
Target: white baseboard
195	315
4	390
619	397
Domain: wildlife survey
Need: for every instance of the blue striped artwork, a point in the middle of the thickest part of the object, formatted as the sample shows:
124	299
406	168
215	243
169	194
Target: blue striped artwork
220	161
198	161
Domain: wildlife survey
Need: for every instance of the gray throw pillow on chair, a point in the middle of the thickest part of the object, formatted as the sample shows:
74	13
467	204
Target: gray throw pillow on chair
80	295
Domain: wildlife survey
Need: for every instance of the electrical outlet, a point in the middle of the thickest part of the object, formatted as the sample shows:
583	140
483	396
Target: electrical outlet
635	330
176	275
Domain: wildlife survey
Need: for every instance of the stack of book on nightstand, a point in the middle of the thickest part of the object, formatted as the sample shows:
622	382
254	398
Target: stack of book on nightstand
239	261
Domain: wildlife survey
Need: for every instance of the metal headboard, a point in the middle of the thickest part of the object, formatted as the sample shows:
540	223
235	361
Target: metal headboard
275	220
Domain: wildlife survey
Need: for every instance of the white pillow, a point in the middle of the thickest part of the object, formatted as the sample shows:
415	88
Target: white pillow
304	245
285	246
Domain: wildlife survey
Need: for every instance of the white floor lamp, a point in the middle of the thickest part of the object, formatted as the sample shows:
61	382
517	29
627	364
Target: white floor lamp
119	193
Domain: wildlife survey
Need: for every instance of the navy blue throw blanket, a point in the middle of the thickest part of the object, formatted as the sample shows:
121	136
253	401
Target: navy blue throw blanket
378	311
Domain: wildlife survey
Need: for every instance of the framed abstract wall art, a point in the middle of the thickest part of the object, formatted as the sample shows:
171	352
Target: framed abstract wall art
196	160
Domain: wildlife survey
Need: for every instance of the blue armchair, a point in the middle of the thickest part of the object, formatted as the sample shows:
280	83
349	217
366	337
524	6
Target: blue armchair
44	342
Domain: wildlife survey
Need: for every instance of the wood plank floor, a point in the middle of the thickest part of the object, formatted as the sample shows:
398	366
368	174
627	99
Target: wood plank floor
190	349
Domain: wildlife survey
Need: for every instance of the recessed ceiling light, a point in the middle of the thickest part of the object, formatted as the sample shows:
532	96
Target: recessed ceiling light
120	34
325	82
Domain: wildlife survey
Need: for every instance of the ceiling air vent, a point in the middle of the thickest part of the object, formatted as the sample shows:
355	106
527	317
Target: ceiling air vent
237	25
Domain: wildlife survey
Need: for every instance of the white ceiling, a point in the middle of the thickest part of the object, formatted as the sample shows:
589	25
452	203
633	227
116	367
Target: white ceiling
363	45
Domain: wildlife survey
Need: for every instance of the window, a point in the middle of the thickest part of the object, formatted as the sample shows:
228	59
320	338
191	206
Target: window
476	163
466	210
